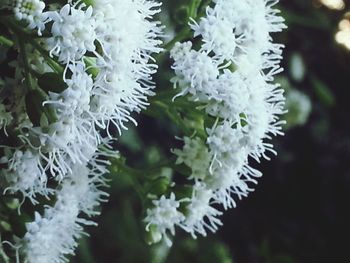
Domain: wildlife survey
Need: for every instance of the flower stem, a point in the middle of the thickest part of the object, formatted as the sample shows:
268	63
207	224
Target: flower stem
193	10
6	42
28	76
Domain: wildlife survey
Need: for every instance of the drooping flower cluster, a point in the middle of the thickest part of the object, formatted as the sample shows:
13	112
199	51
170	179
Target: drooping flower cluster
96	73
230	74
61	224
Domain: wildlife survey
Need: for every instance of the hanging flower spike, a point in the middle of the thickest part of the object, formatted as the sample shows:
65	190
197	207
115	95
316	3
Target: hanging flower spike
230	74
106	67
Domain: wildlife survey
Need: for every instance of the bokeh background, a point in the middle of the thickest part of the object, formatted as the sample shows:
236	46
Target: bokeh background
299	211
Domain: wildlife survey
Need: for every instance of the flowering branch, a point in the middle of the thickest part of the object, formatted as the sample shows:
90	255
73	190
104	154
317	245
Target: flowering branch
79	74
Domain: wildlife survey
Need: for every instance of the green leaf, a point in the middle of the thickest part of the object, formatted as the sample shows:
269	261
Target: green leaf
52	82
193	10
34	104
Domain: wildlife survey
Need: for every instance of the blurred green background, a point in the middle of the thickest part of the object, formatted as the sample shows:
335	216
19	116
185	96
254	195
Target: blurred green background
299	211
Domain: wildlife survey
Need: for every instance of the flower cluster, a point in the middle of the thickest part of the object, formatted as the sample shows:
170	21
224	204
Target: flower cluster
32	12
61	224
95	74
230	74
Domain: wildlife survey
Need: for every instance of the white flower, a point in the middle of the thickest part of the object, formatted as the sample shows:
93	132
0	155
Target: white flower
227	144
230	74
231	98
88	103
73	33
63	143
32	12
200	213
53	236
25	173
195	71
164	216
116	95
266	104
124	79
85	181
112	40
195	155
228	184
75	99
57	135
218	34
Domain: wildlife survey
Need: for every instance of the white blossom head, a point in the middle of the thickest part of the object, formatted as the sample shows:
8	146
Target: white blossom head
201	215
164	216
195	155
31	11
73	33
25	174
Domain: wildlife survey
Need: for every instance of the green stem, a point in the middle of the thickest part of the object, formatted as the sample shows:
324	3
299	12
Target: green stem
182	35
28	76
6	42
163	103
171	113
50	61
193	11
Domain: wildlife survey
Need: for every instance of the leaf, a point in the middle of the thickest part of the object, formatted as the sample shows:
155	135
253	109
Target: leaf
34	104
52	82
